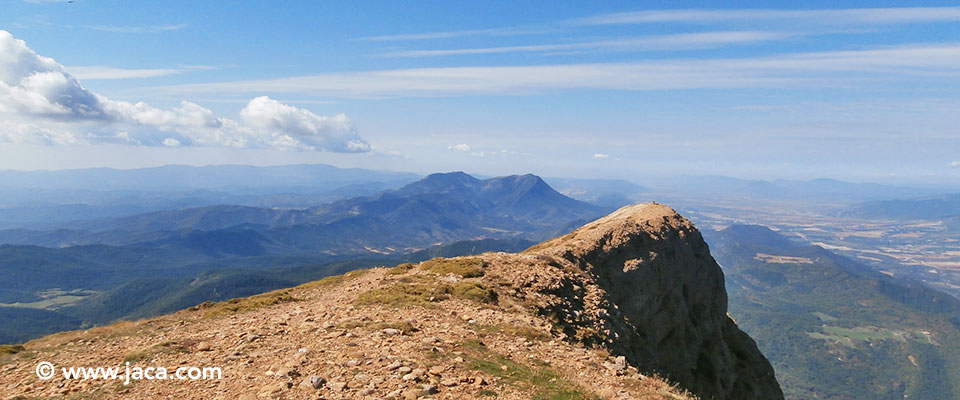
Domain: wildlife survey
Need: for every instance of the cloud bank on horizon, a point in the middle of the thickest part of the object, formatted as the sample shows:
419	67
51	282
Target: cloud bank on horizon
43	104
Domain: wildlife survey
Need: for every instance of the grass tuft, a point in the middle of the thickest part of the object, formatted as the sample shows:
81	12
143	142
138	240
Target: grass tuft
249	303
423	291
515	331
474	291
334	280
400	269
168	347
542	381
10	349
464	267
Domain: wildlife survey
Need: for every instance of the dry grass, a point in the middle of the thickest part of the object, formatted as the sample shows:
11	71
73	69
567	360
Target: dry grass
267	299
10	349
117	329
538	379
400	269
249	303
655	387
168	347
471	267
473	291
424	291
334	280
515	331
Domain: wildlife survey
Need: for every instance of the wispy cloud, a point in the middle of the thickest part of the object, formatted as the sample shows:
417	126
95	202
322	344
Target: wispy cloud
138	29
685	41
99	72
820	69
851	17
509	31
105	72
855	16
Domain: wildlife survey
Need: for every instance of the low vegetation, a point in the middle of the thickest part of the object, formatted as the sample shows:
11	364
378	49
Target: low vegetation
400	269
526	332
403	326
114	330
334	280
469	267
167	347
424	291
233	306
539	378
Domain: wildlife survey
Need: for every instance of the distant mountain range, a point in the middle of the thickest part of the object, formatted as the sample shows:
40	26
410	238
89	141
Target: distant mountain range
178	178
834	328
930	208
165	252
46	199
437	209
825	190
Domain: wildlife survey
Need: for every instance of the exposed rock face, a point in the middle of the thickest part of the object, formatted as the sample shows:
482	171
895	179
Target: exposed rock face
666	302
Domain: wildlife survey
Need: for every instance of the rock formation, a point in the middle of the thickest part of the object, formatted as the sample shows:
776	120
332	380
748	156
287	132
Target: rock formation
661	301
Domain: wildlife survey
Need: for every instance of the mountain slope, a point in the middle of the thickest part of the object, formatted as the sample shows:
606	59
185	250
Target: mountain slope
834	328
936	207
550	323
440	208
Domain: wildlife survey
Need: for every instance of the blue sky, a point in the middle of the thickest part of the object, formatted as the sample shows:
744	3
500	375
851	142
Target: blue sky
866	92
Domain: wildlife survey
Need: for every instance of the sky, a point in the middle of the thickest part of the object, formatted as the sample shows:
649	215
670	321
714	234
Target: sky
860	91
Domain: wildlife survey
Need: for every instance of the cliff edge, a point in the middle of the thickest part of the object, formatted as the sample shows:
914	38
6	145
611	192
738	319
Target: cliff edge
661	301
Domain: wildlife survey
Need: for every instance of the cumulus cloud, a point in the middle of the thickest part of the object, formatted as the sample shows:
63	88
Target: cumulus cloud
459	147
41	103
954	164
601	155
286	124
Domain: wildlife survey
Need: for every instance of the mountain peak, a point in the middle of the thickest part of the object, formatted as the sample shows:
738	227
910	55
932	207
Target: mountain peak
656	269
440	183
451	176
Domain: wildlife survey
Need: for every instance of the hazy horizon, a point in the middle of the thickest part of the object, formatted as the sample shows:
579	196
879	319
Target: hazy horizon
863	93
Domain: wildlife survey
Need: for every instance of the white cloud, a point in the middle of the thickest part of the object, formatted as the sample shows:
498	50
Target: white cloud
685	41
460	147
854	16
811	17
97	72
510	31
954	163
292	126
138	29
799	70
601	155
41	103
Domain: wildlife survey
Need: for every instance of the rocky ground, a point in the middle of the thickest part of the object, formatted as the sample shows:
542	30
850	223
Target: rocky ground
572	318
318	341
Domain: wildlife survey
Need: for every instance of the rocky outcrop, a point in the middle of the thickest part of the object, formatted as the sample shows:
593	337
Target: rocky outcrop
660	299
